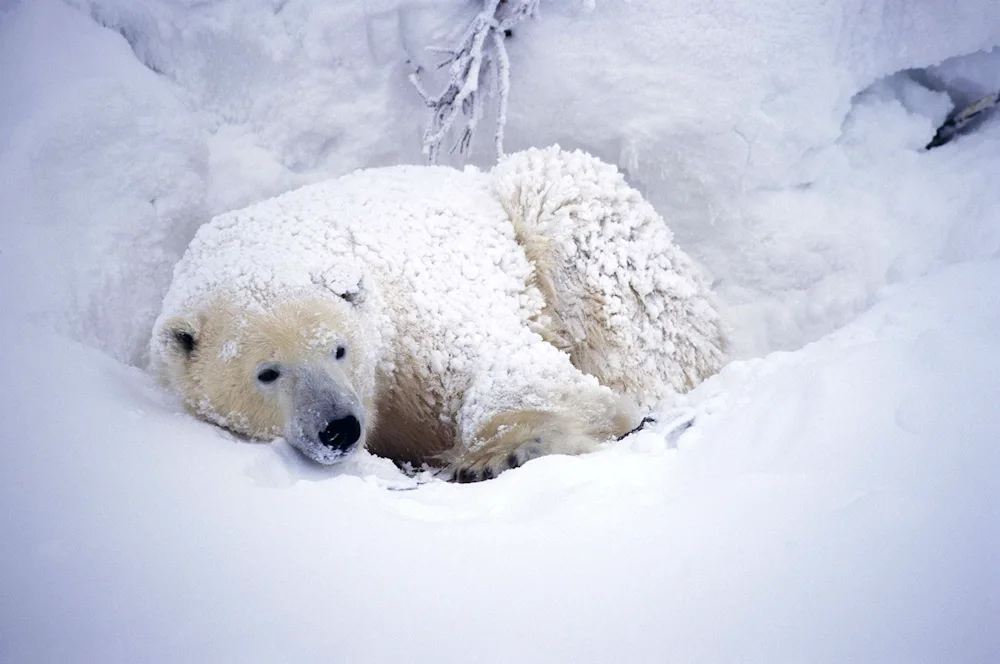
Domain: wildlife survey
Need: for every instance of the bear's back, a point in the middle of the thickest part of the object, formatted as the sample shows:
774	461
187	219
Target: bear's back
414	227
452	281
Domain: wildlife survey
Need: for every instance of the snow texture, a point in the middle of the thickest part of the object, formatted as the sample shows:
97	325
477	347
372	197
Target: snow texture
449	293
832	504
834	499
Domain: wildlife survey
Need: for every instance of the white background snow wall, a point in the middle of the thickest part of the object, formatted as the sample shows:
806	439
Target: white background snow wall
127	123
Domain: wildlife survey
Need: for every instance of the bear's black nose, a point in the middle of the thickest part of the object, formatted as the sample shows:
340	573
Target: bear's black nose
341	434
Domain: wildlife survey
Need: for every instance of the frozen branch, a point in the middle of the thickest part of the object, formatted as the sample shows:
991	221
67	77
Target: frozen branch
478	67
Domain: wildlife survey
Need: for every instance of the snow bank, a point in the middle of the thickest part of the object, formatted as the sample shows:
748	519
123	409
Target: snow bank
828	505
873	209
102	178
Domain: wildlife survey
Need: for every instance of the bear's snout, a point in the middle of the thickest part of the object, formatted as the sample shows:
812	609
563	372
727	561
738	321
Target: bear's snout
341	434
325	419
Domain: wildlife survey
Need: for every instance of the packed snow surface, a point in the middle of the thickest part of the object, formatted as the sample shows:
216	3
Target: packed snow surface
833	504
834	500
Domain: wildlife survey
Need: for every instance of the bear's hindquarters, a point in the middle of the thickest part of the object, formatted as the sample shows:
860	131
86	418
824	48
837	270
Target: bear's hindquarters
622	300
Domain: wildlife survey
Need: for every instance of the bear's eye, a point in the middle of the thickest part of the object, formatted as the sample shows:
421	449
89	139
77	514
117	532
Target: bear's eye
268	375
185	339
340	352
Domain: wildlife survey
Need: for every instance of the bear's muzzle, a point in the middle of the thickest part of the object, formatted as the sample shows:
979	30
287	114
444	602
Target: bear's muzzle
324	418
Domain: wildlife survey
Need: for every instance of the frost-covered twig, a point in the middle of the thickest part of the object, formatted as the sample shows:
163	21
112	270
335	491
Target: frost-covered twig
479	58
963	118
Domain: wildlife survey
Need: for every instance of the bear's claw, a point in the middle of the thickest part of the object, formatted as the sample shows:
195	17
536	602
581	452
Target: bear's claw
488	463
642	425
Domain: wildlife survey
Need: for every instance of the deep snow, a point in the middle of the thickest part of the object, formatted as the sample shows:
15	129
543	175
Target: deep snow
834	501
833	504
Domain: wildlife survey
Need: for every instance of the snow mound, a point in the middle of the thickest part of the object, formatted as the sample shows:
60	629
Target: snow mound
103	179
831	504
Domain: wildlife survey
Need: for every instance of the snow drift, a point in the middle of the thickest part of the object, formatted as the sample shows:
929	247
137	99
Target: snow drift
833	504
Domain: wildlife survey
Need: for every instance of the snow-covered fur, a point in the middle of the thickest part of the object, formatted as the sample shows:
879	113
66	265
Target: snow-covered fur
430	313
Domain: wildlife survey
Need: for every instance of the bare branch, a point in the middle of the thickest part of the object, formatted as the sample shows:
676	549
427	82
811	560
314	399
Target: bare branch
478	67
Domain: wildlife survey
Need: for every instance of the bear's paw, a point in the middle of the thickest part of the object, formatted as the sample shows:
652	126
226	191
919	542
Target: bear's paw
511	439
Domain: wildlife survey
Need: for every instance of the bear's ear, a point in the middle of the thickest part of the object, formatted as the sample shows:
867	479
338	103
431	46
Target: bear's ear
335	281
356	295
180	336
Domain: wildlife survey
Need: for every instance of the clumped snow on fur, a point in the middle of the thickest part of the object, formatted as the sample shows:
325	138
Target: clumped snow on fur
449	292
583	213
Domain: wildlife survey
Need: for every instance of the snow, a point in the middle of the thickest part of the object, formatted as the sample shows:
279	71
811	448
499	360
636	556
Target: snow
100	161
828	505
834	499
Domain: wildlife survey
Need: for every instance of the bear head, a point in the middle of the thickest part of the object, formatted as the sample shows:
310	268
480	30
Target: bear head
303	367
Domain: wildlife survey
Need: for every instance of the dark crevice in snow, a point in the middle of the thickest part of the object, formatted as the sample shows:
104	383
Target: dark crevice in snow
135	36
942	91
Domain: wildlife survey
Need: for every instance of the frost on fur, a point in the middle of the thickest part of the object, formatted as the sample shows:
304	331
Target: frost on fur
479	59
487	318
622	299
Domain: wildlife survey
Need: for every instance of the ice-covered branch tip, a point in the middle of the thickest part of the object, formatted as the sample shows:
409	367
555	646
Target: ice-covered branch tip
478	66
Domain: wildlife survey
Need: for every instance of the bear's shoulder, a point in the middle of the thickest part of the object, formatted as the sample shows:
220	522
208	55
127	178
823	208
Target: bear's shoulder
328	233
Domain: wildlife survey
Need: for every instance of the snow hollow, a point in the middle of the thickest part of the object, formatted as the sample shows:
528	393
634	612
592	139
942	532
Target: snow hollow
837	499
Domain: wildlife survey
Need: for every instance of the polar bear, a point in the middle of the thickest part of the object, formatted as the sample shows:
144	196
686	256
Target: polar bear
469	319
